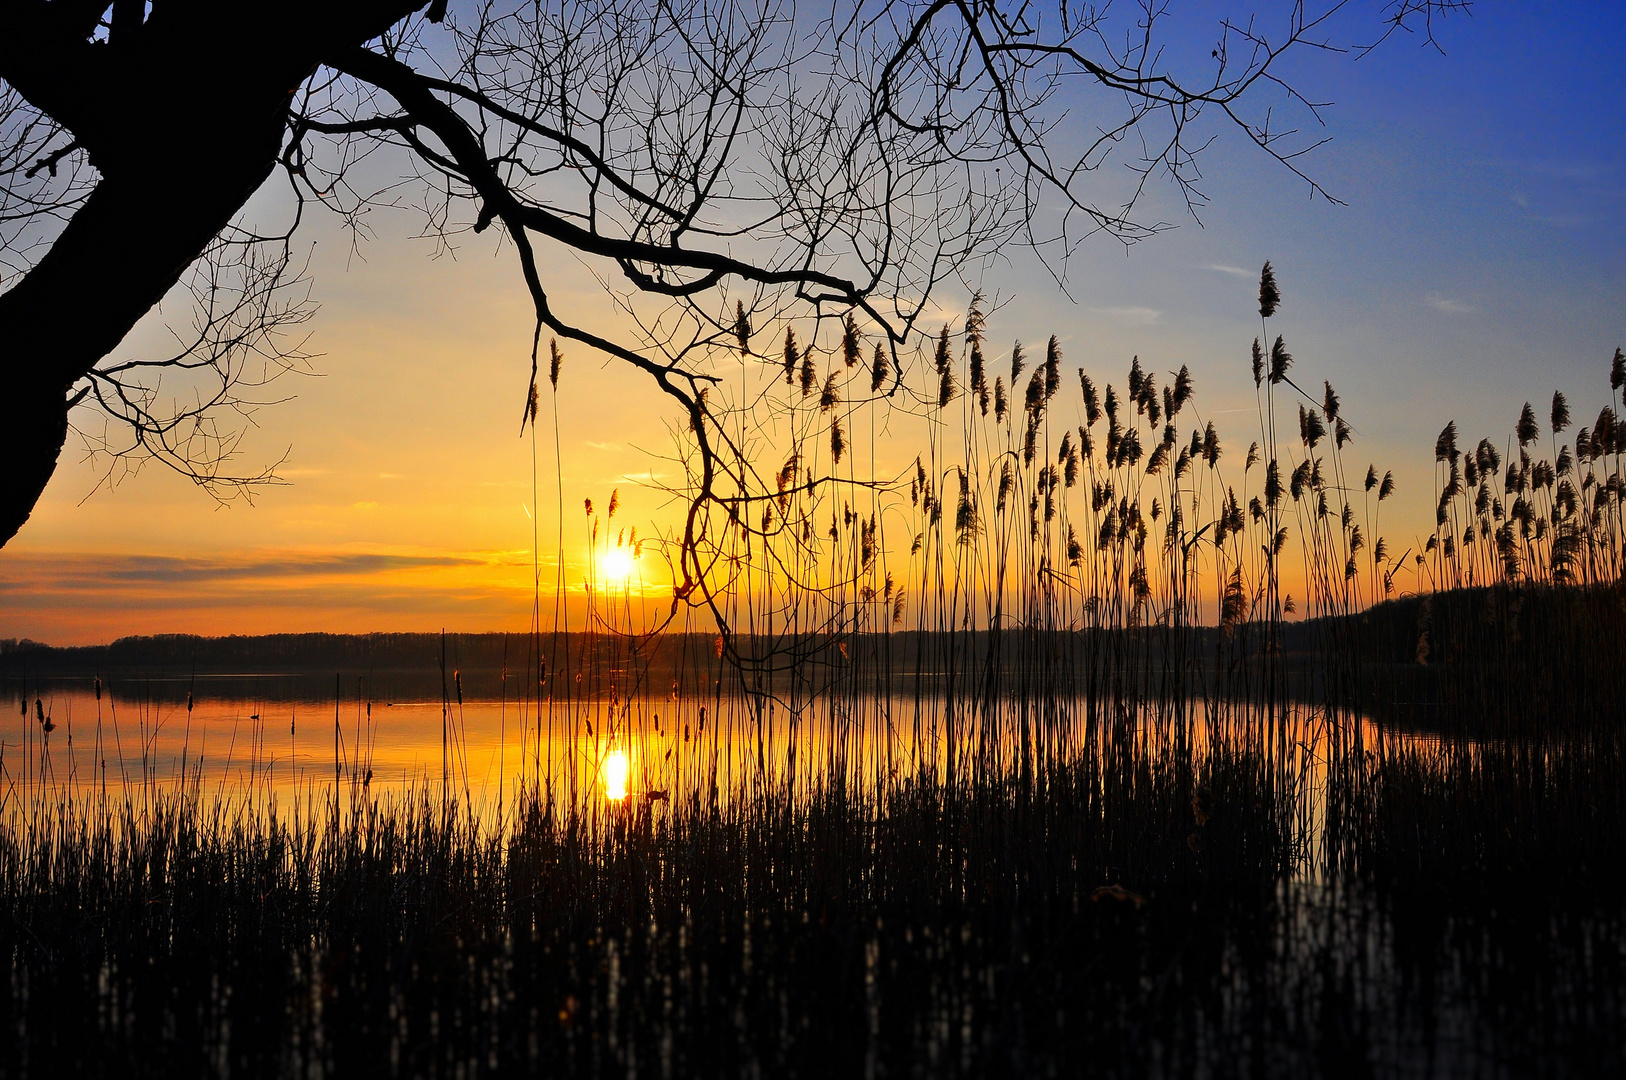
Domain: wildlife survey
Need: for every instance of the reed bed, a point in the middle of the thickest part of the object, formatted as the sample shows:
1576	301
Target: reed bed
1077	745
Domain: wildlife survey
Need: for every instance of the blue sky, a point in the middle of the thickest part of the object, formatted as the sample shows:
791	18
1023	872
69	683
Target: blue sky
1478	261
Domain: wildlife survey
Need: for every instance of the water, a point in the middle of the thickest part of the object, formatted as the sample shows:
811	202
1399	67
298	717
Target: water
1252	939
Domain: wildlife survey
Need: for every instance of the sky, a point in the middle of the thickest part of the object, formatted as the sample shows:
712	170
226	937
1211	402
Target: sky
1478	260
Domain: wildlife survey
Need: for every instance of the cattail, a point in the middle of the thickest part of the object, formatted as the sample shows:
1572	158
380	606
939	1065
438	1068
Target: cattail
1561	412
792	355
1280	361
742	327
1527	429
877	370
1269	295
851	344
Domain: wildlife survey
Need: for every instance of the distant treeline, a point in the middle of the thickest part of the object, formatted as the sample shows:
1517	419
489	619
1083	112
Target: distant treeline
1552	651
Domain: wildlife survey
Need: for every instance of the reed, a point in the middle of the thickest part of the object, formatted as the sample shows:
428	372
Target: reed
1128	759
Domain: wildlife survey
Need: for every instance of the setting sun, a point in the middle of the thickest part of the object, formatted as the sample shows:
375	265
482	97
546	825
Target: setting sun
616	565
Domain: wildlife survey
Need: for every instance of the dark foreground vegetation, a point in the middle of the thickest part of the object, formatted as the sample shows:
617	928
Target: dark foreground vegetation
1146	908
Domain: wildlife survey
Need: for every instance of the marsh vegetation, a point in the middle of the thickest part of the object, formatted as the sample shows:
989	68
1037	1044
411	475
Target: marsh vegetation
1031	762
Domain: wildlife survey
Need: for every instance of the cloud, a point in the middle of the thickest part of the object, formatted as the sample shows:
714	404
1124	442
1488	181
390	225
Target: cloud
1449	306
1138	316
1235	271
29	573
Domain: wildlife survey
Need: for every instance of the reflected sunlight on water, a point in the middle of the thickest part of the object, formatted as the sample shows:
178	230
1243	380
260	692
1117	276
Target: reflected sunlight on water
616	768
480	754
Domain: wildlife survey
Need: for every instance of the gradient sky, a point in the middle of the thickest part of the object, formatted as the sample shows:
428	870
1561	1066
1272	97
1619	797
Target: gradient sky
1480	262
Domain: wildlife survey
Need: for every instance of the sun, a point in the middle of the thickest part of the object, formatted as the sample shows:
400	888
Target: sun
616	565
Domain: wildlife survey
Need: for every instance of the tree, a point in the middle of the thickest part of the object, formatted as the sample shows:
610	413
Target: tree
730	160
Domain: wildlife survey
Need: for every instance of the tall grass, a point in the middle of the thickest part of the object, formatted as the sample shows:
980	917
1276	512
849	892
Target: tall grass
1011	761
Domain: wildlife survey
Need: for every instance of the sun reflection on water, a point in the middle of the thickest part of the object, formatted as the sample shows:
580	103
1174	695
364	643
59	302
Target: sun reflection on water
616	768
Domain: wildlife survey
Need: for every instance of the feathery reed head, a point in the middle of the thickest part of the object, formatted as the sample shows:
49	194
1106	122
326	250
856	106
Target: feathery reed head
742	327
793	354
810	374
1280	361
1270	297
1527	429
1445	447
1561	412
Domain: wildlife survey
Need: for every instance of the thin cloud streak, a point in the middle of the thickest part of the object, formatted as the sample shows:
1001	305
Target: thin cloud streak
1449	306
1136	316
23	573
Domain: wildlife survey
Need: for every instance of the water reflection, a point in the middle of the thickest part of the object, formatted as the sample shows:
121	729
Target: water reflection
616	768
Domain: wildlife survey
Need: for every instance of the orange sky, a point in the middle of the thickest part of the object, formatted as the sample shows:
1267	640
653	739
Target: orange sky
1436	293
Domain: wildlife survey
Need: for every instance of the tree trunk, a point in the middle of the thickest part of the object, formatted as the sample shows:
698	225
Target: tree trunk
125	248
184	116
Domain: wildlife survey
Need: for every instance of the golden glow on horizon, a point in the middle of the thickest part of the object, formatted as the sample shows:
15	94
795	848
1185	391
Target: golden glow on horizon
616	768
